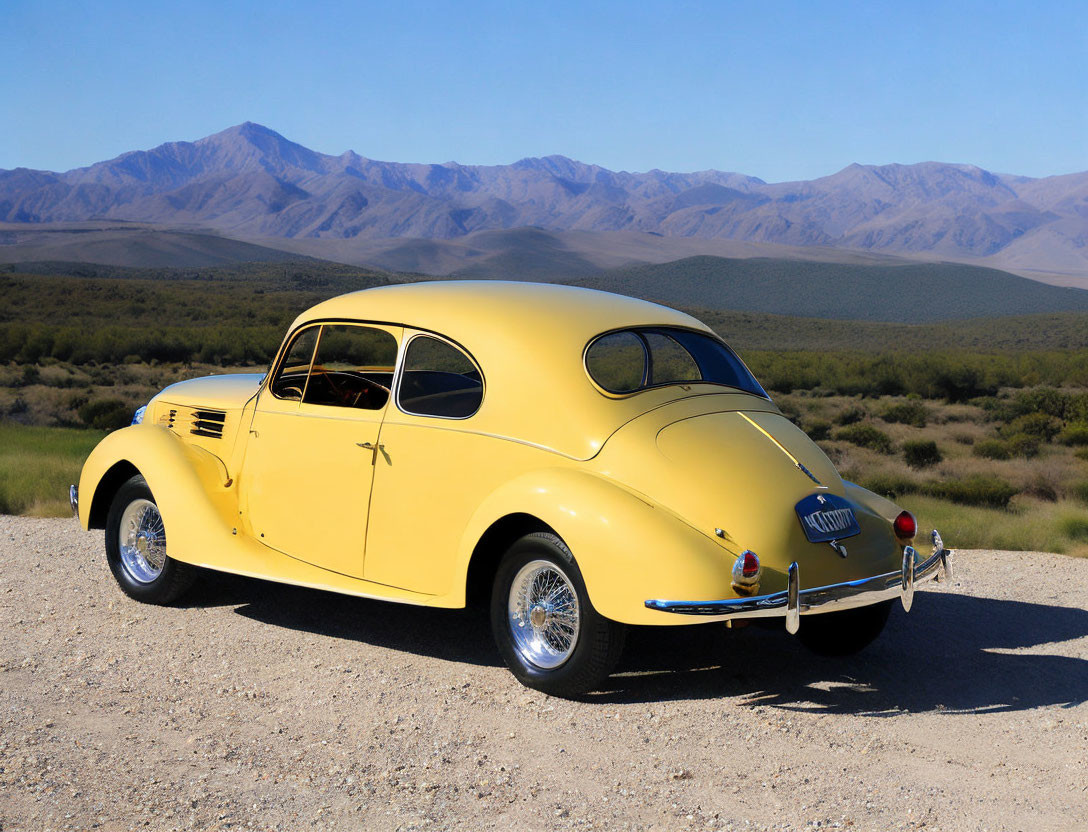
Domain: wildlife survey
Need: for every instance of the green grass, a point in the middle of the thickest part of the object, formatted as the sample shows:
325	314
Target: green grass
1030	525
38	464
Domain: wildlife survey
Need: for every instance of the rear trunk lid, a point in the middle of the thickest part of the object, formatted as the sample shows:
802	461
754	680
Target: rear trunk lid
734	463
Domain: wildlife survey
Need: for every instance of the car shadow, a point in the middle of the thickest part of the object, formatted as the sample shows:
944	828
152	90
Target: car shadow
948	654
456	635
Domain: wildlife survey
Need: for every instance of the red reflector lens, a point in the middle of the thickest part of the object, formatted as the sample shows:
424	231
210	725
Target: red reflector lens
751	564
905	525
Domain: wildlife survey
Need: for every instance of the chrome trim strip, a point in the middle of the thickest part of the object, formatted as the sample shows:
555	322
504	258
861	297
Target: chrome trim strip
794	601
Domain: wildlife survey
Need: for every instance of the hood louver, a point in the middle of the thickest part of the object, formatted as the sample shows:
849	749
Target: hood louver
208	423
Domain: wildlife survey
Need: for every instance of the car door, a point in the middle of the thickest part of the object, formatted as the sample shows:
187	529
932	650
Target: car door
433	469
309	463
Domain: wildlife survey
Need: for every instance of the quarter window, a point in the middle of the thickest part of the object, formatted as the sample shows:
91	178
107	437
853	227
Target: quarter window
439	380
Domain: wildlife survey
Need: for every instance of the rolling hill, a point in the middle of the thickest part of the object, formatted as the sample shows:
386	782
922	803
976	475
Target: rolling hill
129	244
908	293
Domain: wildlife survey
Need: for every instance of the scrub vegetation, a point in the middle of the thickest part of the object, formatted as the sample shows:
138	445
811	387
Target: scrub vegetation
979	427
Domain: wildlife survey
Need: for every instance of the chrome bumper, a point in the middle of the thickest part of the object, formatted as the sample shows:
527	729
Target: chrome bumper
794	601
73	500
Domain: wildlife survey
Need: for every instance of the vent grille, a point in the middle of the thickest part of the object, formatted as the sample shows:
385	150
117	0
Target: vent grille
208	423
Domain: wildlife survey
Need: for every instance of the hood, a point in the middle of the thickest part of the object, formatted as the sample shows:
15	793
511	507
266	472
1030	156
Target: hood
743	472
226	392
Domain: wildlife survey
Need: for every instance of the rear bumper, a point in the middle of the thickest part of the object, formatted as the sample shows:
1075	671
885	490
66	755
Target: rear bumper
795	601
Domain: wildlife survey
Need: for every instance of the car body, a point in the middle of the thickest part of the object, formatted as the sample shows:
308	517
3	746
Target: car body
407	437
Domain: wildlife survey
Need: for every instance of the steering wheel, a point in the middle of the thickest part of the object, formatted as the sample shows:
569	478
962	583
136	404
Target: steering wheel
370	385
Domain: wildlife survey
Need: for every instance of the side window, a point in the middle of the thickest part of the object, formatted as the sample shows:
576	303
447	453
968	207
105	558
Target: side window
617	362
353	367
290	381
439	380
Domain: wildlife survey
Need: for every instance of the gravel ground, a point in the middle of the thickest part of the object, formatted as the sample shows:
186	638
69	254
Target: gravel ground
258	706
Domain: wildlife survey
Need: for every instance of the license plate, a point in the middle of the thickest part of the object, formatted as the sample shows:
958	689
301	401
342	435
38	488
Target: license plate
826	517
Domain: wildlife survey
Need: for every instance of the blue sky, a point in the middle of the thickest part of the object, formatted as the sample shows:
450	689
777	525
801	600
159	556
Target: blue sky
779	90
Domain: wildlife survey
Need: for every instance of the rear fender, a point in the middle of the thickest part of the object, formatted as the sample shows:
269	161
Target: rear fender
628	550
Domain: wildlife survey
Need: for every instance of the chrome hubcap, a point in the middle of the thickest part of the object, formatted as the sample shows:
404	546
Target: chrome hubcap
544	615
142	541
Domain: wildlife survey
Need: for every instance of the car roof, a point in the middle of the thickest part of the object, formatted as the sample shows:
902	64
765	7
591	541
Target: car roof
528	339
499	307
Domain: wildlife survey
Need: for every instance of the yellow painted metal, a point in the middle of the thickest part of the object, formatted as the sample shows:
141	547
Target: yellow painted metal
635	485
305	483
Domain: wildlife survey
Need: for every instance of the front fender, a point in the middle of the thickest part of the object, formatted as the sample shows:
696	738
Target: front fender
628	550
190	485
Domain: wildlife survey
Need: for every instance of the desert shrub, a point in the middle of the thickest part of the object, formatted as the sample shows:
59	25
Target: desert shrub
1076	408
865	435
975	490
818	430
1080	491
1075	434
1023	445
1046	400
850	415
992	449
1039	425
889	485
1075	526
1043	486
31	375
920	453
960	383
912	413
105	414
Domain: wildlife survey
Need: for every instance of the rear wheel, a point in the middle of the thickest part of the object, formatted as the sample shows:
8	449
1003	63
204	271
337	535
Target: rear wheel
547	631
136	547
844	633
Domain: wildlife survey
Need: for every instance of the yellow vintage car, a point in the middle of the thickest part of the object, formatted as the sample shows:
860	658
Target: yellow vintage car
579	460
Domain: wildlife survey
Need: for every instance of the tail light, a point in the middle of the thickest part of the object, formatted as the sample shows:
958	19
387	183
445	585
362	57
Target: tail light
905	526
747	573
749	564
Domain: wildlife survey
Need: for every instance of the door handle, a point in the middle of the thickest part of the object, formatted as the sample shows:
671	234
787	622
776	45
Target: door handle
370	446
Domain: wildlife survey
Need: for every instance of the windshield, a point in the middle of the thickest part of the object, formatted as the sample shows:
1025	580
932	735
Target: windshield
631	360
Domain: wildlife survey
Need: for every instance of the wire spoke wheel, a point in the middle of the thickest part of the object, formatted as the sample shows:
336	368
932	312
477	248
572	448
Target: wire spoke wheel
142	541
543	614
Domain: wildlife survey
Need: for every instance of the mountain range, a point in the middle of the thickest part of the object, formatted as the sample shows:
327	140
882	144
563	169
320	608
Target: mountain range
251	183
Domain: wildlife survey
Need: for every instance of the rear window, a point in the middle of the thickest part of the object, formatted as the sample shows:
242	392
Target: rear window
636	359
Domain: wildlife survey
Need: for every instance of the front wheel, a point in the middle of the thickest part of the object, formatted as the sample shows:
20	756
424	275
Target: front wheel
844	633
547	631
136	547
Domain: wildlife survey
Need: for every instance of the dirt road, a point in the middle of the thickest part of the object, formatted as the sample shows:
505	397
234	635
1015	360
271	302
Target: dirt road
265	707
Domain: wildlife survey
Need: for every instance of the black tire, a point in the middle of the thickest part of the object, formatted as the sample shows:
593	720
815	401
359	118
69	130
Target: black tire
173	579
844	633
599	641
